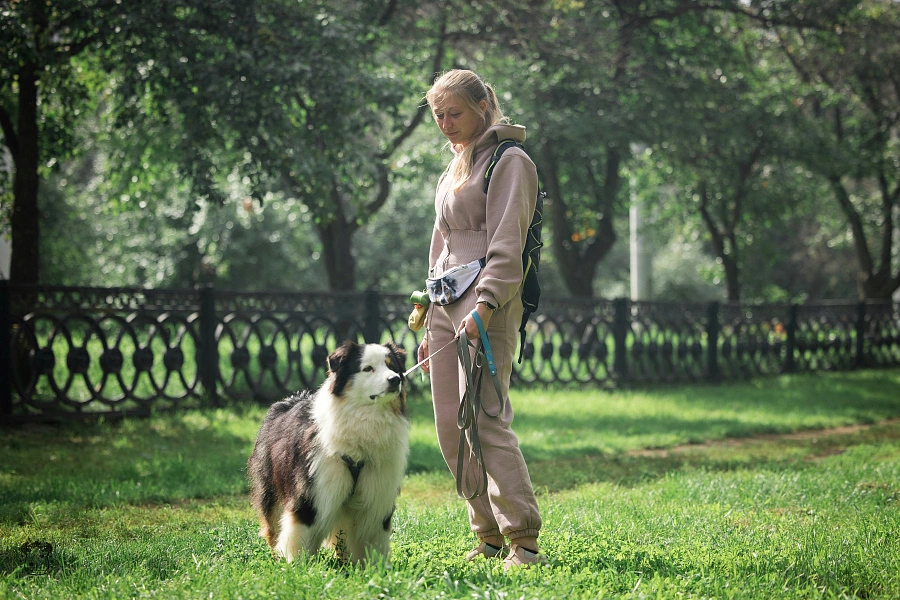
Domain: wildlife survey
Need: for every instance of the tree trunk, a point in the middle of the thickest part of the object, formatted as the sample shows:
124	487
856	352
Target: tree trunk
876	281
878	286
578	260
337	249
25	267
732	278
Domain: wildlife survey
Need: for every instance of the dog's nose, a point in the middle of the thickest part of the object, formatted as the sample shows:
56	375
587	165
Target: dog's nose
394	382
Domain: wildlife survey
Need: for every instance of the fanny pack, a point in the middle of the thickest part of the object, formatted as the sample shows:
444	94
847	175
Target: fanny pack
452	284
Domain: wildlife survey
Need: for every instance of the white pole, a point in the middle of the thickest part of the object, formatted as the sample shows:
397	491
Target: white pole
640	245
6	164
5	257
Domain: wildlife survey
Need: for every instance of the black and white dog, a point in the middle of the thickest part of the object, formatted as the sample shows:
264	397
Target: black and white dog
327	465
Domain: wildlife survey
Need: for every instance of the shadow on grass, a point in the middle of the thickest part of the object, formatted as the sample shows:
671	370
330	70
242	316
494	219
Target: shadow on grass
37	557
770	452
582	436
48	470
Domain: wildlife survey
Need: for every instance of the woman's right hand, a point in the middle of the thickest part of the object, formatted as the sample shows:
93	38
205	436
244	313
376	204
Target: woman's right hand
422	354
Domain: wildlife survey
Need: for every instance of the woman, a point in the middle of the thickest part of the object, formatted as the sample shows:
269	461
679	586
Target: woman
471	225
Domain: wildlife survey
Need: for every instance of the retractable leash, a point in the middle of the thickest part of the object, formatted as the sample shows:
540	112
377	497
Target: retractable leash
430	355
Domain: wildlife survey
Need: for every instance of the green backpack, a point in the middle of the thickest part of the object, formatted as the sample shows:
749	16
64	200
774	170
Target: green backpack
531	254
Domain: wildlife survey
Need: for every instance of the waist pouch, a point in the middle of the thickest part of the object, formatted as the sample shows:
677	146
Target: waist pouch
452	284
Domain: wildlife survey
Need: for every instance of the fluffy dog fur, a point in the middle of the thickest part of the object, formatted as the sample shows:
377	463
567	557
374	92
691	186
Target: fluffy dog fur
327	466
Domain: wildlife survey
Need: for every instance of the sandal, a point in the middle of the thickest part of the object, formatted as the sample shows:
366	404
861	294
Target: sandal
487	551
520	557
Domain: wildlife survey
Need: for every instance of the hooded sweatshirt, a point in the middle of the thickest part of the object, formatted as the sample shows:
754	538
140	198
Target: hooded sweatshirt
471	225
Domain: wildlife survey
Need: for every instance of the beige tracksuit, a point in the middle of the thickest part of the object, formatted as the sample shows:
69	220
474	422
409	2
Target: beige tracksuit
471	225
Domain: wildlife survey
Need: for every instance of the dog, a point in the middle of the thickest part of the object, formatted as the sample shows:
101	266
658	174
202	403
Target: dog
327	465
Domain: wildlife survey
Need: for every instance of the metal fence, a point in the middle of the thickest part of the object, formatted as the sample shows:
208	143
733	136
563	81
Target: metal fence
69	352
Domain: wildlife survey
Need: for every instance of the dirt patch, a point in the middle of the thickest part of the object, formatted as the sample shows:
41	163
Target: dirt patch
805	435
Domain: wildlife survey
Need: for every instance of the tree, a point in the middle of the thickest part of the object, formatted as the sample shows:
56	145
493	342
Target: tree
46	69
603	78
297	97
312	101
852	101
725	145
40	42
582	92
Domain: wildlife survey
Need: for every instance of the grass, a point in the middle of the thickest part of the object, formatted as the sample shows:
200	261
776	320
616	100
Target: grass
736	491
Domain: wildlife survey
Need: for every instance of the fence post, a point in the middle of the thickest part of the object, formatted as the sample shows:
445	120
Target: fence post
621	325
5	355
208	362
791	338
712	342
860	350
371	331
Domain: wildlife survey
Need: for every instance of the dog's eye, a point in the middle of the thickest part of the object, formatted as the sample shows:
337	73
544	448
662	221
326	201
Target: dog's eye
368	369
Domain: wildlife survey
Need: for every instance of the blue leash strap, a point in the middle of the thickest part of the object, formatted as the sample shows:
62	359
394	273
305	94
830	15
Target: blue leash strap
485	343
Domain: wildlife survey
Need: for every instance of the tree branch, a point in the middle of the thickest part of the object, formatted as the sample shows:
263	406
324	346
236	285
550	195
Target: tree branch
888	201
746	169
711	225
9	133
604	196
561	228
384	191
387	13
439	53
856	225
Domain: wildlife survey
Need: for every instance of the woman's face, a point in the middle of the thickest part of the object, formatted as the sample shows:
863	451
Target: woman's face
457	121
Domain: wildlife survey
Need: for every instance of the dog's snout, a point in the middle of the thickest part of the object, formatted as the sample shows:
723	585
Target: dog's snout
394	381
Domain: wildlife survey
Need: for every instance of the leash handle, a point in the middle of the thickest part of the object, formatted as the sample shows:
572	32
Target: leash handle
485	343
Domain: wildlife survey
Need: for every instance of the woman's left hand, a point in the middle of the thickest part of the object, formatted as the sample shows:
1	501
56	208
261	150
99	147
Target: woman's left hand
468	323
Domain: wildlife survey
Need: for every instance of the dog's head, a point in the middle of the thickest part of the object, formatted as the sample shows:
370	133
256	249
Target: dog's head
372	372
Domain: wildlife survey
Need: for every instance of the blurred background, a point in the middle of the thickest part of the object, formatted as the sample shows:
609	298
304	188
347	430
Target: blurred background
691	151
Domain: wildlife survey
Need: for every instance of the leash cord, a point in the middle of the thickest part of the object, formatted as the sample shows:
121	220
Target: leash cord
425	360
467	422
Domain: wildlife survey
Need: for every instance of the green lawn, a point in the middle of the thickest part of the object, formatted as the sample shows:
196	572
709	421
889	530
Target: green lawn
696	491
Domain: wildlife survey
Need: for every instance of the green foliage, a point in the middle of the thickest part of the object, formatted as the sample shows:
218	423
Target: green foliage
177	113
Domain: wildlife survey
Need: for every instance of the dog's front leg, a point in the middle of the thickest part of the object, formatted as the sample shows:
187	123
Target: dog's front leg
296	537
289	537
367	536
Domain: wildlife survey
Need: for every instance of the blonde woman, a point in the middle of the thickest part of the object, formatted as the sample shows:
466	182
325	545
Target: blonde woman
472	225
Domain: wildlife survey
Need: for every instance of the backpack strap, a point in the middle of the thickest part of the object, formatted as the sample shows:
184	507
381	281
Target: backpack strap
502	147
531	288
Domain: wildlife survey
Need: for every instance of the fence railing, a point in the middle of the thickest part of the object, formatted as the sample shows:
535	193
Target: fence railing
69	352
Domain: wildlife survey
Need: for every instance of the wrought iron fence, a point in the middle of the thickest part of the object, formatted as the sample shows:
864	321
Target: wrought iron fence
69	352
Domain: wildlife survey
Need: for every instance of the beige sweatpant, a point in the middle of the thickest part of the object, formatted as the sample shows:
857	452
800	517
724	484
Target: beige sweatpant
509	507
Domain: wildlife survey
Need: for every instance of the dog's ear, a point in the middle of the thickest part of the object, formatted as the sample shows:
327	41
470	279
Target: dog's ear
340	363
398	357
337	359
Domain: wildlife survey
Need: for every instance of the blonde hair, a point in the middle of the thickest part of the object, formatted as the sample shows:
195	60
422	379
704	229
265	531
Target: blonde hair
466	86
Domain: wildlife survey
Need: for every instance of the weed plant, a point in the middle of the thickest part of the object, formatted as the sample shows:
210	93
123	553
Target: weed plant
736	491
